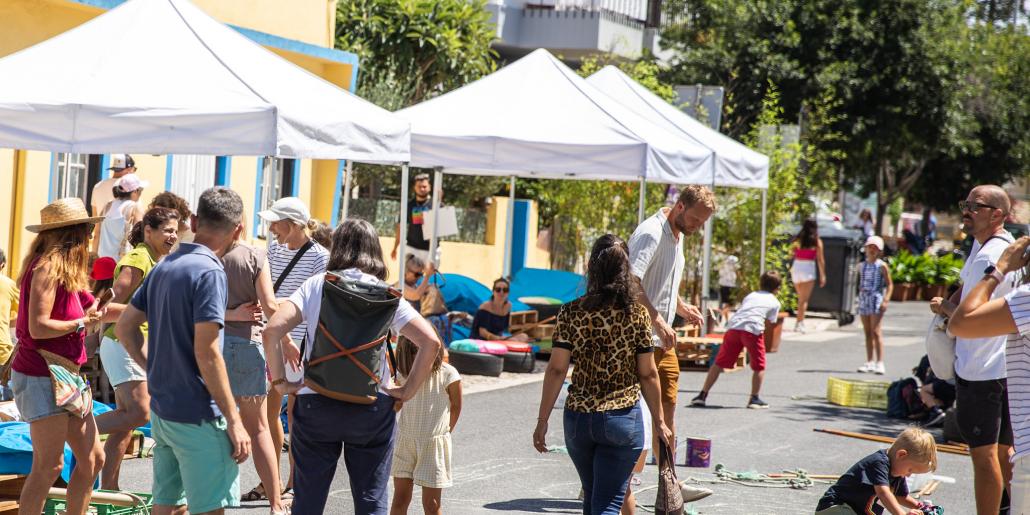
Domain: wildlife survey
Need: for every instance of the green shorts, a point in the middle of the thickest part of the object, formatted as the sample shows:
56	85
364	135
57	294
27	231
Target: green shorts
193	465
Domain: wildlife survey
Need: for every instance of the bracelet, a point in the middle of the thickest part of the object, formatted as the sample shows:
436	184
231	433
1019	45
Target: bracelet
279	381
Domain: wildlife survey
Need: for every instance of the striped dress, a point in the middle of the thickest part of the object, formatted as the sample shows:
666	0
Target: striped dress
870	293
1017	365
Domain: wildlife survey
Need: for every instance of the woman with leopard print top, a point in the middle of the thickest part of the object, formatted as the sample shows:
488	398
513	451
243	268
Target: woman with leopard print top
608	334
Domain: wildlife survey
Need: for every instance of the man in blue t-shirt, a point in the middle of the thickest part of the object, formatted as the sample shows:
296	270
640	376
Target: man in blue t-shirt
200	439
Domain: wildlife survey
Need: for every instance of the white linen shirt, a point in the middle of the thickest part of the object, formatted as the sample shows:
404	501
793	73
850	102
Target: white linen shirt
983	359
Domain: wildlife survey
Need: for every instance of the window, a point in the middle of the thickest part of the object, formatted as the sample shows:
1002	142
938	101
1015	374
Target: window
190	175
73	175
278	179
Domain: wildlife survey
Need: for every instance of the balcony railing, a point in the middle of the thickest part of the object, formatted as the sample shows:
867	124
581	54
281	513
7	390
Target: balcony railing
633	9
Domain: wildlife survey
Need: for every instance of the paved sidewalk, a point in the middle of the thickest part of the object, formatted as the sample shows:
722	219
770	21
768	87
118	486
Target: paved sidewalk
497	470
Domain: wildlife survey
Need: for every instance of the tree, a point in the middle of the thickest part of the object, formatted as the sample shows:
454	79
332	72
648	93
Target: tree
410	51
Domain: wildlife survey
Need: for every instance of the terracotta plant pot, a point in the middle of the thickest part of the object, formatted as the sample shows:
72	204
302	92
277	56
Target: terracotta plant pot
934	290
916	293
773	333
902	292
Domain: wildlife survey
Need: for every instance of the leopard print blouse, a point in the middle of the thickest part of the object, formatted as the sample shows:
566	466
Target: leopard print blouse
604	346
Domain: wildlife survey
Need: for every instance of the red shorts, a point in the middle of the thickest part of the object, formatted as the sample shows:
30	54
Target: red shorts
735	341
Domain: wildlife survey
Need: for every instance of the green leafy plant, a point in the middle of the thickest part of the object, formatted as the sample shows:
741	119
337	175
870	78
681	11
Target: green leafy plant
949	268
925	269
902	268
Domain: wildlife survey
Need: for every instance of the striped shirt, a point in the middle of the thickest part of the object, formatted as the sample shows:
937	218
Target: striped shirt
871	276
656	258
312	263
1017	363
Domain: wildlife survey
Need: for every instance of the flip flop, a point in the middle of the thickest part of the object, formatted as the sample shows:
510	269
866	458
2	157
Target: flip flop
255	494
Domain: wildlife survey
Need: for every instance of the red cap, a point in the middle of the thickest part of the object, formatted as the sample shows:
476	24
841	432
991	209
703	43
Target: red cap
103	269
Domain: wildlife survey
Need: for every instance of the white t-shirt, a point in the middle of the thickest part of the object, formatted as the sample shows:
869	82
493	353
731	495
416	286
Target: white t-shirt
308	299
1017	361
756	308
983	359
728	274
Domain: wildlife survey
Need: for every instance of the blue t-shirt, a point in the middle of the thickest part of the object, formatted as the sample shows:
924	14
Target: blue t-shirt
186	288
855	487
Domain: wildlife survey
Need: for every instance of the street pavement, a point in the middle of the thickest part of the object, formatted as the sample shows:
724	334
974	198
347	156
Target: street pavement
496	468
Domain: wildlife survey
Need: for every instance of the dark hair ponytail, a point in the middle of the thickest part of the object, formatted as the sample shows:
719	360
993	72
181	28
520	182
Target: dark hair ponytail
609	281
154	218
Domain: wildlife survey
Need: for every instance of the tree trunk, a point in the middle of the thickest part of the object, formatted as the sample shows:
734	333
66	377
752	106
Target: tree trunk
881	205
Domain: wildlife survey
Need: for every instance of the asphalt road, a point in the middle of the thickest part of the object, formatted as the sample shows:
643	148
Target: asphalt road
497	470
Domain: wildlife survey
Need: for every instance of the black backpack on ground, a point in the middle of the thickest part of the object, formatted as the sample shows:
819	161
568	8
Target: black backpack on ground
903	399
353	326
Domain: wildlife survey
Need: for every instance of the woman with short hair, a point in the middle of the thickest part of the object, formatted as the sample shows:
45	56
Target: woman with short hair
322	426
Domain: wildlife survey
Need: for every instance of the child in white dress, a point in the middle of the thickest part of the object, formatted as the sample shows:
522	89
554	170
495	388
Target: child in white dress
422	452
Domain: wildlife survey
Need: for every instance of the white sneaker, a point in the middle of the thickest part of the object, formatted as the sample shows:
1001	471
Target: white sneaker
868	368
693	493
880	368
799	328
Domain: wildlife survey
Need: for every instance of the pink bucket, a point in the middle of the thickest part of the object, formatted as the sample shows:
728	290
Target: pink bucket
699	452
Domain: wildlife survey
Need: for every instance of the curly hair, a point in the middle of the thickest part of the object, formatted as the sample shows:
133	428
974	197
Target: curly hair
609	281
172	201
154	218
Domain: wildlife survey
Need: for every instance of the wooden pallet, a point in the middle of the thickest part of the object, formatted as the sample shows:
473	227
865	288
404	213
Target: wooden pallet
522	318
695	352
10	489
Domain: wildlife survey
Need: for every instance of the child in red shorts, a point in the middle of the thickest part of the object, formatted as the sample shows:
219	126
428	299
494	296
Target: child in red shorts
746	329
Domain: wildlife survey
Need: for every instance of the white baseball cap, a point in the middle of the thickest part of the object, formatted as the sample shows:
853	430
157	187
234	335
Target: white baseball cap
287	208
875	241
131	182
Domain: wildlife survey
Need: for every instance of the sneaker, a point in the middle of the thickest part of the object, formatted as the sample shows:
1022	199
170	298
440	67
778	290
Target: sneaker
935	418
756	403
880	369
868	368
699	401
799	328
693	493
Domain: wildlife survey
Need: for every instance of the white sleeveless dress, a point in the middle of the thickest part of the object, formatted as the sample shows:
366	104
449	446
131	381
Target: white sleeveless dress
113	230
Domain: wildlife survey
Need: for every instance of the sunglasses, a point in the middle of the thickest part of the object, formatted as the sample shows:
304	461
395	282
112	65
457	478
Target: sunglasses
973	207
501	289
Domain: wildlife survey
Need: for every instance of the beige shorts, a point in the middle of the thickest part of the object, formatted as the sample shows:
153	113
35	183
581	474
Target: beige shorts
426	461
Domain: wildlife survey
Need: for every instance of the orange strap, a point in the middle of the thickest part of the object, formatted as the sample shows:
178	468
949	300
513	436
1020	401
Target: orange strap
348	353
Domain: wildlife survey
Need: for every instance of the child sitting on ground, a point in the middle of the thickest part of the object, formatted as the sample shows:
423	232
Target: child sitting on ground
747	329
422	453
878	481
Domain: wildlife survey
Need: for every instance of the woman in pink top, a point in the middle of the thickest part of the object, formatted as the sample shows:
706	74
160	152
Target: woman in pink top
54	313
808	266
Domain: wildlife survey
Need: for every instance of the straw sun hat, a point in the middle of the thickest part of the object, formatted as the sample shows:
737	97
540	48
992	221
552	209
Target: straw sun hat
63	213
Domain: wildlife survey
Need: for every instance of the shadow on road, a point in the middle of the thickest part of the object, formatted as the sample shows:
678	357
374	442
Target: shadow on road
831	416
538	505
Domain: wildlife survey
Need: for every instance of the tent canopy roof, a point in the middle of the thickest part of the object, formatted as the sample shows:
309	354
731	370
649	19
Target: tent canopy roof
163	77
537	118
734	165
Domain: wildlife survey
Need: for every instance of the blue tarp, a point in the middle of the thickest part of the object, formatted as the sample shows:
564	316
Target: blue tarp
16	451
462	293
556	284
99	407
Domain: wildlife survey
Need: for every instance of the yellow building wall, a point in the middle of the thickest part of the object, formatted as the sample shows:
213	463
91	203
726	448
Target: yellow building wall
482	262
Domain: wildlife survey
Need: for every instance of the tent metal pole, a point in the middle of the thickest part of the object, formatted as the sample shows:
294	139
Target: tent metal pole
641	200
348	174
511	227
765	200
706	267
434	241
402	250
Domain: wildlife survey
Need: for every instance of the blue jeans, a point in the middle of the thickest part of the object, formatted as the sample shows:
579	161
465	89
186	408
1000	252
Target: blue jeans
323	428
604	447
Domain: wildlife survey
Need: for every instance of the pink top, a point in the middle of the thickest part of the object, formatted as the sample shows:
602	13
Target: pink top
67	306
805	254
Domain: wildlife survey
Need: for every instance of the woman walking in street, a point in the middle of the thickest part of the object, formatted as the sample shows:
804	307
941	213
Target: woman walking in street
151	240
324	427
808	266
250	295
608	334
293	257
54	312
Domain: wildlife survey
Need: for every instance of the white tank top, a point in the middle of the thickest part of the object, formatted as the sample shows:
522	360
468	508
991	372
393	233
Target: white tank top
113	230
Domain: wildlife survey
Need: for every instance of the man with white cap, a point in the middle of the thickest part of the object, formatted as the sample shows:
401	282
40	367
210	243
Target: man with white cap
120	215
293	257
121	165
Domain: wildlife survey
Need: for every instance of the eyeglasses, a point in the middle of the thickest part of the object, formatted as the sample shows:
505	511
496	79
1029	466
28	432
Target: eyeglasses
415	272
501	290
973	207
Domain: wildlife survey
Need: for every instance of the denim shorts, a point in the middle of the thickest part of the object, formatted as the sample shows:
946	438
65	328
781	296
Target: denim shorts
34	397
245	363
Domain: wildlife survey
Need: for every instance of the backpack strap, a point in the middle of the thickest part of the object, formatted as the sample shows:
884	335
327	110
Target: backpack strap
349	353
291	264
393	360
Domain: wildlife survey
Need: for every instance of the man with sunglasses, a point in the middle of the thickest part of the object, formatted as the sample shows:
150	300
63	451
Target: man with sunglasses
981	388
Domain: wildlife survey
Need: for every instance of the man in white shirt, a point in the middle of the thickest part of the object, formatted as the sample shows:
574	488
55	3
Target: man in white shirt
981	387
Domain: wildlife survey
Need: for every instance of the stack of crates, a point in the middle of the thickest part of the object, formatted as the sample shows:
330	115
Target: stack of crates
857	394
55	506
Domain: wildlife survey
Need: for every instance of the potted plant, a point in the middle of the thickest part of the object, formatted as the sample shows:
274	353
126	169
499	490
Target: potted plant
902	270
949	268
924	274
774	332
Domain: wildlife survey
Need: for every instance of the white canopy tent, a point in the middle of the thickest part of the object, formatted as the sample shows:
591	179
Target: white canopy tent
538	118
163	77
734	164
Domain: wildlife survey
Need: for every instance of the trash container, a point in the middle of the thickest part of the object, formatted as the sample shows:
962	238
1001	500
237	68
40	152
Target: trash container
842	249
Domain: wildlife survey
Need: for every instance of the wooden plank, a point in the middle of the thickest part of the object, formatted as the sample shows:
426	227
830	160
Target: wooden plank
11	486
950	449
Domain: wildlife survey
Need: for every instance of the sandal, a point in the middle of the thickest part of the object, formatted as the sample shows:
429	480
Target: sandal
287	494
255	494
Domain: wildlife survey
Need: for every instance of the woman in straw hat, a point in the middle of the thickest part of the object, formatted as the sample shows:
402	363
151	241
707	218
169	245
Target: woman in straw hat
54	313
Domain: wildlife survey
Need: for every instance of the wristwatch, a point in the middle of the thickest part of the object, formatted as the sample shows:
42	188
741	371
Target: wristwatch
992	271
81	326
